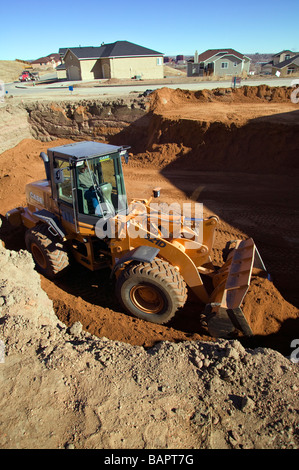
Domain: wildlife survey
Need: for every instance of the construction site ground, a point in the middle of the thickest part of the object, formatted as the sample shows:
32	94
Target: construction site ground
96	377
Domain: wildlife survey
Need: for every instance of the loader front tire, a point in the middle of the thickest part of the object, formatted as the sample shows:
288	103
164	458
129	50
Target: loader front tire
151	291
49	255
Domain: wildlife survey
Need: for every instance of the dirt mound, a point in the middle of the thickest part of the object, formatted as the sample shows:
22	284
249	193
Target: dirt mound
64	388
249	129
167	97
271	318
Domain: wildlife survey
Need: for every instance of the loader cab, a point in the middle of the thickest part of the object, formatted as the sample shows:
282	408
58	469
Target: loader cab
87	181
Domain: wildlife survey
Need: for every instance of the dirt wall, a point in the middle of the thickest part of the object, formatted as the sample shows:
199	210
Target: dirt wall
90	120
14	126
248	129
251	129
257	146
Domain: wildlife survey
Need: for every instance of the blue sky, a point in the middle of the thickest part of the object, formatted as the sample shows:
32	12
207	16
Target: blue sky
32	29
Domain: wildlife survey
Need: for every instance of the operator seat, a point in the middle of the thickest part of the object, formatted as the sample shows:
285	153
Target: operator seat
106	190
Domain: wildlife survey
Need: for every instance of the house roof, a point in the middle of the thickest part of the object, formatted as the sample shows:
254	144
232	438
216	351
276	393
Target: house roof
41	60
46	59
115	49
283	52
54	56
220	52
292	60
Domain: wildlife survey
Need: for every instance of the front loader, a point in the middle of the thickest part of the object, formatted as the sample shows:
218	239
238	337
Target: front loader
80	212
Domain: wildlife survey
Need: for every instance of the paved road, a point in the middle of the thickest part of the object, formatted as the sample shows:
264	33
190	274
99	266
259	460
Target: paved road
61	89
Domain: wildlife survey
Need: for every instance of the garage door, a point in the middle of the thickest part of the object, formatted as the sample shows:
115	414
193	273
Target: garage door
74	73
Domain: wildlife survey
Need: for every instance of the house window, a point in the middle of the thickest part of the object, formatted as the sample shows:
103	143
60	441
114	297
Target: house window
159	60
287	57
235	64
290	70
224	65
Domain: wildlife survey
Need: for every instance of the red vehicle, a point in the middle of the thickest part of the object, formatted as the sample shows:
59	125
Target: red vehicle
24	77
28	75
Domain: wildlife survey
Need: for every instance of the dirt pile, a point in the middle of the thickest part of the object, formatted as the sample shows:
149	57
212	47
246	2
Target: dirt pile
171	98
271	318
249	129
64	388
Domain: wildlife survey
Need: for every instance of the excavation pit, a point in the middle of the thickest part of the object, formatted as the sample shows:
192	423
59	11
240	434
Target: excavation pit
233	150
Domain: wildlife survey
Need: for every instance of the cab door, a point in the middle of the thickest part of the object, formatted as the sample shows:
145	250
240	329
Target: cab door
64	194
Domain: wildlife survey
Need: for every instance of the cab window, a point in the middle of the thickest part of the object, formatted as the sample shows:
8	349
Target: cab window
64	189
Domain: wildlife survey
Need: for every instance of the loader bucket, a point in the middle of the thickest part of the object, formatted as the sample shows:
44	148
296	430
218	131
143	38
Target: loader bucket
231	283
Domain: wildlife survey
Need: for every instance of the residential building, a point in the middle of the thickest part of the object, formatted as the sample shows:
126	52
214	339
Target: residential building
282	56
287	67
281	62
218	62
121	60
51	60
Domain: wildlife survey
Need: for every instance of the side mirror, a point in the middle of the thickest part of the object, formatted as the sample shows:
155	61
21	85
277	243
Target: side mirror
124	153
58	176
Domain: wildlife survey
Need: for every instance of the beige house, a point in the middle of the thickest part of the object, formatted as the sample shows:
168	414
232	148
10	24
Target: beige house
282	56
50	61
279	64
287	67
121	59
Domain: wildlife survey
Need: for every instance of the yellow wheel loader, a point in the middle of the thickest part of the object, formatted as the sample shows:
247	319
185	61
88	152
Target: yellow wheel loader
80	212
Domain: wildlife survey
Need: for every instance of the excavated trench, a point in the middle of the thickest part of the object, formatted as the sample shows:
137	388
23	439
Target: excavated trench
236	151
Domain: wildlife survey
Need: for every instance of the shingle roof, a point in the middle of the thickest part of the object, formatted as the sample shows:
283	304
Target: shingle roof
212	52
41	60
115	49
294	59
282	52
46	59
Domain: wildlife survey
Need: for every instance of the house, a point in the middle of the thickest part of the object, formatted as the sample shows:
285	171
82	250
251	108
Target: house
51	60
287	67
121	59
284	57
218	62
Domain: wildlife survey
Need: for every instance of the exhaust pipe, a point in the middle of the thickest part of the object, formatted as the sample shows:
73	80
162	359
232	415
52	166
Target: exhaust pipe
45	159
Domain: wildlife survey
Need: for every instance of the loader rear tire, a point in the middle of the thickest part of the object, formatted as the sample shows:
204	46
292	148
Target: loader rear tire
151	291
50	257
